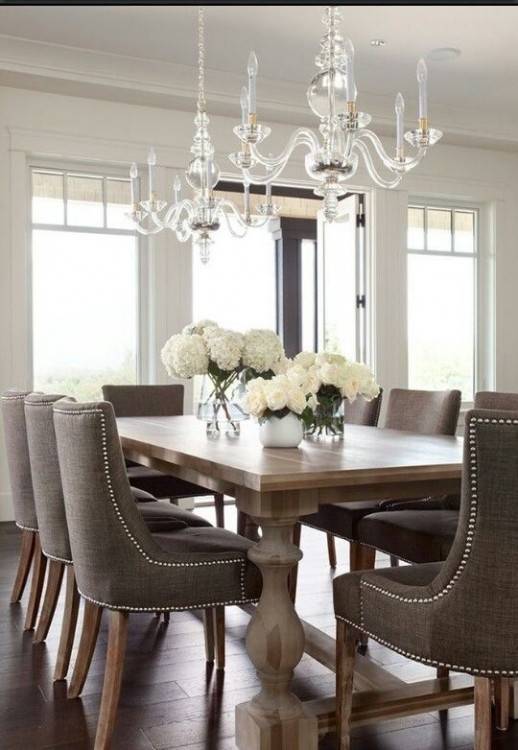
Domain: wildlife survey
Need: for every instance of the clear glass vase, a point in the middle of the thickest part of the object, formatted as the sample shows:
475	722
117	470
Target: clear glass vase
328	418
221	416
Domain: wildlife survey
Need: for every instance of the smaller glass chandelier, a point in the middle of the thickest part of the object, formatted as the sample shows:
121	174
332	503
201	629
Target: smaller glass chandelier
334	158
201	216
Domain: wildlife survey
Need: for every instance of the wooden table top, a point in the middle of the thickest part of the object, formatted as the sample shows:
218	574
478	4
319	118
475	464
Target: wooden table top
365	455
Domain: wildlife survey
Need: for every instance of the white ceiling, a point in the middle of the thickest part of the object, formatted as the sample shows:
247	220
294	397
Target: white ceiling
286	40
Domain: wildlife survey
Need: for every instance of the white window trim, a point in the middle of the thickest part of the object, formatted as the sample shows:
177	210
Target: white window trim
104	170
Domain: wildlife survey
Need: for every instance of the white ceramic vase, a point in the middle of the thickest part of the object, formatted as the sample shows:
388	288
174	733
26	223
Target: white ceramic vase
286	432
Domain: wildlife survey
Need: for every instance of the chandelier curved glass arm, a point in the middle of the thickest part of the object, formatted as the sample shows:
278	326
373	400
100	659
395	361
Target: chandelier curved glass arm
371	169
300	137
403	164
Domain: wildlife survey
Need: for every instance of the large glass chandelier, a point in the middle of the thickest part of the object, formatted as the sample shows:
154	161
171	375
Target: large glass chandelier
197	218
334	157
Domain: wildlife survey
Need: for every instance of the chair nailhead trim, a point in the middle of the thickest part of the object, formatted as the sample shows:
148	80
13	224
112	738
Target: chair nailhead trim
470	536
58	559
16	397
232	561
424	660
26	528
161	608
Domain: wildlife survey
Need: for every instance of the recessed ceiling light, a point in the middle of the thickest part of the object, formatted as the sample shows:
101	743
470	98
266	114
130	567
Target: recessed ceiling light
378	42
444	53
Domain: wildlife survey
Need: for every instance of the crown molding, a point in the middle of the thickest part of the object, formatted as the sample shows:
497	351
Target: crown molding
72	71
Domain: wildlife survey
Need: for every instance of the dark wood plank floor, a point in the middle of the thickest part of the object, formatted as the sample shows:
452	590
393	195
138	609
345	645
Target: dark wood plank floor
170	700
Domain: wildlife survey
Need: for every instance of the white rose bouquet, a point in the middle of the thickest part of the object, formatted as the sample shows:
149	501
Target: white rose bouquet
331	378
276	397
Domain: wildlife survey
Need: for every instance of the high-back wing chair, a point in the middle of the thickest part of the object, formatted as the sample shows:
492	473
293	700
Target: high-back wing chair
119	564
461	614
22	494
157	401
424	412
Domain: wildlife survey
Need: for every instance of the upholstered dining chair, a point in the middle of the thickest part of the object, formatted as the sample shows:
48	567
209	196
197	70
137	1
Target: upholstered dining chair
118	564
461	614
157	401
23	504
54	537
424	412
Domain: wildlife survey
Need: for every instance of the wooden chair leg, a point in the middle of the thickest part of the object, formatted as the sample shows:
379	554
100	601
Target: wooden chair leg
482	713
442	673
294	572
68	626
219	635
502	703
208	627
39	565
24	564
331	550
50	599
117	639
219	505
345	656
361	557
394	561
167	618
241	522
91	622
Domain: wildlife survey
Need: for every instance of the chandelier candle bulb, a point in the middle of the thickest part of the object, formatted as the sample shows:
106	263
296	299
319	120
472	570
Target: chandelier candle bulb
151	162
134	184
422	79
252	76
352	91
244	106
400	114
177	186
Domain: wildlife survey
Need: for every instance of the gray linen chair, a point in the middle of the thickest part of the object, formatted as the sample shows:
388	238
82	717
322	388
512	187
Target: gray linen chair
424	412
119	565
423	531
22	494
54	537
461	614
157	401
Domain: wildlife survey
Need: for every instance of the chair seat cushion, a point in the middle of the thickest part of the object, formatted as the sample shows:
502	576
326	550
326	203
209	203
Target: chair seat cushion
141	496
418	536
349	589
161	517
211	544
341	519
163	485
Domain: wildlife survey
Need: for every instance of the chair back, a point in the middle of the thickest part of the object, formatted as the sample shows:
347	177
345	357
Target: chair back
107	533
46	478
424	412
145	400
363	412
476	593
18	462
496	400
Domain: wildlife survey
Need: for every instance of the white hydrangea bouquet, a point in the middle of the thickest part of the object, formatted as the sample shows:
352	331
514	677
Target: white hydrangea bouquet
222	355
331	378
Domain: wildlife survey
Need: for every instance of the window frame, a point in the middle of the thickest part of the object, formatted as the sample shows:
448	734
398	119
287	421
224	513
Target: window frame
106	171
480	347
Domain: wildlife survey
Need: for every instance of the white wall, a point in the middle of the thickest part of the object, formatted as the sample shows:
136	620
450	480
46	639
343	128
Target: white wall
36	125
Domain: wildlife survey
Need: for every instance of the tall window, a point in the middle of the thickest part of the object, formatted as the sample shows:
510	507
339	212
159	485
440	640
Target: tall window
84	283
442	283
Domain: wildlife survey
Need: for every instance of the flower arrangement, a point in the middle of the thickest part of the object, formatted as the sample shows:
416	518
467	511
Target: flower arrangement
222	354
331	378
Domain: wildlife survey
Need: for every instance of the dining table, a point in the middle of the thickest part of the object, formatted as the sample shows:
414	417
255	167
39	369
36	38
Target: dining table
276	487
